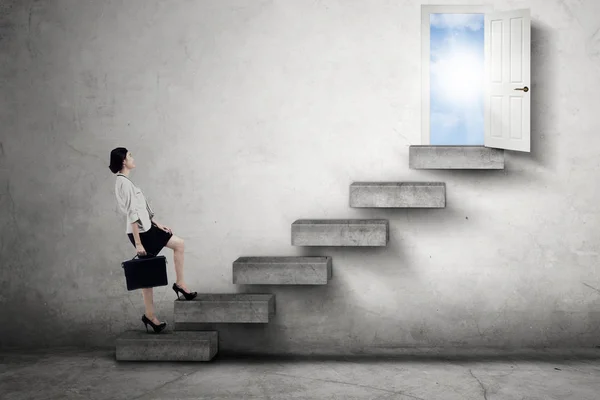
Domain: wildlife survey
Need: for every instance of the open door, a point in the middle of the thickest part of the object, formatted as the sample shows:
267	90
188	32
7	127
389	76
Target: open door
507	105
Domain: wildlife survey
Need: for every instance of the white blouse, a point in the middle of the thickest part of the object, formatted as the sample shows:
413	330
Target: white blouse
133	204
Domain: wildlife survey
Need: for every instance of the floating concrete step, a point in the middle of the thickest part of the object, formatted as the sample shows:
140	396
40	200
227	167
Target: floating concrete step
225	308
167	346
398	194
455	157
340	232
282	270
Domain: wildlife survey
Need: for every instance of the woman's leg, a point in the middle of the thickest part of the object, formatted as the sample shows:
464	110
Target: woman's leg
148	294
178	246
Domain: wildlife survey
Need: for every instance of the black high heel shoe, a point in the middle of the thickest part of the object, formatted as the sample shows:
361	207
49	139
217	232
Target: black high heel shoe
188	296
157	328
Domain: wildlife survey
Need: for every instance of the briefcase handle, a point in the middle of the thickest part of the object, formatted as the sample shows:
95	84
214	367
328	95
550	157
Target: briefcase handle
137	255
153	255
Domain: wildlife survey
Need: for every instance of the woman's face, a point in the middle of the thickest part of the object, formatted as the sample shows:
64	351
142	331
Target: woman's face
129	162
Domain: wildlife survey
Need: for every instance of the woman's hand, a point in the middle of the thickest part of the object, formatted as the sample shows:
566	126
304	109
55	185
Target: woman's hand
164	228
140	250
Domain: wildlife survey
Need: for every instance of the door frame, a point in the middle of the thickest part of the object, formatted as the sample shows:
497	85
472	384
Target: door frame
426	10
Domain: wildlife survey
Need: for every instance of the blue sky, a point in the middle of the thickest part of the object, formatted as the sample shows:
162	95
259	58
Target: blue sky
456	79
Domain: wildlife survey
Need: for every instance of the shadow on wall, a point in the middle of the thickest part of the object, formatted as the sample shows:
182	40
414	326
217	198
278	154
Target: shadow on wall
327	311
544	99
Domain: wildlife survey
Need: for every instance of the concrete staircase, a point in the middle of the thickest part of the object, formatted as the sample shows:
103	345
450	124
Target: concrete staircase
187	344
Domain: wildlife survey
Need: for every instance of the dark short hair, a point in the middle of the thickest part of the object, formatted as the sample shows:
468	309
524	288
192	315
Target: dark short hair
117	156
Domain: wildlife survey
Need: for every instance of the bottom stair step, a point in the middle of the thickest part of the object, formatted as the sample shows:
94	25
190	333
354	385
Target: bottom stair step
167	346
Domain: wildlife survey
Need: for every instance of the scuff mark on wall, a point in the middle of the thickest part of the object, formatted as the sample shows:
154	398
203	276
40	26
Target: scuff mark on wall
591	287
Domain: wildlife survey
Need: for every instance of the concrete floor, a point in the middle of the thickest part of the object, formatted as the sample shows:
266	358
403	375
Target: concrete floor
95	374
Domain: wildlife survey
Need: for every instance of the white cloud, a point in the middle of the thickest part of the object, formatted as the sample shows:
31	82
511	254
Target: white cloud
457	127
446	120
473	22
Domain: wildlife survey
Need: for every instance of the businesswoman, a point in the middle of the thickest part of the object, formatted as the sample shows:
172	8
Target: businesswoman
145	233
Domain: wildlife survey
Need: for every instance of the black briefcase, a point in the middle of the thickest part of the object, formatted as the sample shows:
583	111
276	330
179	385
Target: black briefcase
145	272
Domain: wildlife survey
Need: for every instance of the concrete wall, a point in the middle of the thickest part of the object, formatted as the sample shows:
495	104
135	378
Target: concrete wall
244	116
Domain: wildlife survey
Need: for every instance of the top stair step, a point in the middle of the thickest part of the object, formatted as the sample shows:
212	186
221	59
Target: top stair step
455	157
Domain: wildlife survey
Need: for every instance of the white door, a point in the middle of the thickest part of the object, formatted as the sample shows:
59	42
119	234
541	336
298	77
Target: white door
507	105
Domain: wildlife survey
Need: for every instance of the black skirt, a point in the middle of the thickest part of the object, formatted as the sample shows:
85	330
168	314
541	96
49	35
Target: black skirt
153	239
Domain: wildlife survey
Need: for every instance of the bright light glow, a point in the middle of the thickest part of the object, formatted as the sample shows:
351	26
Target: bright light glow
456	79
460	76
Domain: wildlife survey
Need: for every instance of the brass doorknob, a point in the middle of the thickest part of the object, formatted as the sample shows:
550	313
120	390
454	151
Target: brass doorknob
525	89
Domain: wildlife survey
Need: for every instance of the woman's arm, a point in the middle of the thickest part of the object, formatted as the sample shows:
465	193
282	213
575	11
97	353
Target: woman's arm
127	195
136	233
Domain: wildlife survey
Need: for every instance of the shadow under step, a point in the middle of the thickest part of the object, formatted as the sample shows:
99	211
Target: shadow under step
167	346
398	195
225	308
455	157
340	232
282	270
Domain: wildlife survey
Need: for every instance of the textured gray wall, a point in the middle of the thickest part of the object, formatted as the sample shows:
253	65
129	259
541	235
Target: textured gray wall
244	116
